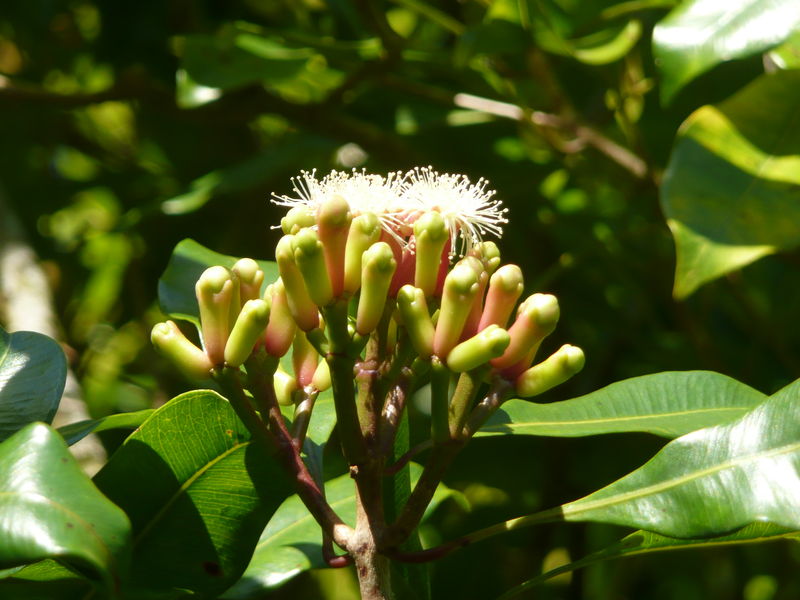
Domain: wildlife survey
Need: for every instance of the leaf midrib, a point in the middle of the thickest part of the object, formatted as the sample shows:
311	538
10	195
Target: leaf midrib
581	506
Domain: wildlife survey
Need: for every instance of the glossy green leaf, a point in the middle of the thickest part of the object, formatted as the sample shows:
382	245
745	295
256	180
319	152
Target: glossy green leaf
645	542
700	34
730	189
787	55
187	263
75	432
712	481
198	494
51	509
45	580
668	404
607	46
33	370
291	542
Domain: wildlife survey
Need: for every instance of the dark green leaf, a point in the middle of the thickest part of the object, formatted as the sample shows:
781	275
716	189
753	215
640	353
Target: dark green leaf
74	432
731	188
33	370
198	494
700	34
712	481
668	404
187	263
51	509
645	542
291	543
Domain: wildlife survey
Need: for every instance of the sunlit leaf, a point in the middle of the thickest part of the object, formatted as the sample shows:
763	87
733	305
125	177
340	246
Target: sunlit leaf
700	34
668	404
33	370
75	432
731	188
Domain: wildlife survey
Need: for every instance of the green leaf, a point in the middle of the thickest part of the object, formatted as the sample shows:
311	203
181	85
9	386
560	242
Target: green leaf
712	481
787	55
33	370
668	404
291	542
700	34
75	432
607	46
198	494
730	189
45	580
645	542
187	263
51	509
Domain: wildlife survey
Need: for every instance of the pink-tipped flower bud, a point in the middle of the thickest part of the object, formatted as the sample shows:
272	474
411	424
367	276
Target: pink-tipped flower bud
536	319
489	255
303	309
555	370
215	290
191	360
285	386
413	309
505	288
333	223
281	327
430	236
296	219
250	279
476	308
365	230
248	329
310	259
460	287
322	377
304	359
479	349
377	267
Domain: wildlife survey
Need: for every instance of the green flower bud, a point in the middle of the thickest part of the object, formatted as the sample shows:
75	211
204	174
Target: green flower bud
365	230
191	360
303	309
309	257
377	267
333	223
479	349
566	362
250	279
214	290
536	319
414	315
285	387
296	219
489	255
430	235
322	377
304	359
281	327
460	287
505	288
248	329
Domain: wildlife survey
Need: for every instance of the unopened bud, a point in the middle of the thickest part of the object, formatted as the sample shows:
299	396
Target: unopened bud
378	266
430	235
479	349
476	308
536	319
247	330
191	360
303	309
489	255
214	290
250	279
460	288
281	327
304	359
310	259
365	230
296	219
285	387
322	377
505	288
566	362
413	311
333	223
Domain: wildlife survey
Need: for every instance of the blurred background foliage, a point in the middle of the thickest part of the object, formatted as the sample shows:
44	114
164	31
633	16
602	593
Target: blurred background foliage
127	127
